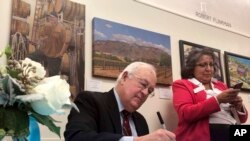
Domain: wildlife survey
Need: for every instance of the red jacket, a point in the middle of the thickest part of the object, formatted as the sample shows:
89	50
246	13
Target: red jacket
193	110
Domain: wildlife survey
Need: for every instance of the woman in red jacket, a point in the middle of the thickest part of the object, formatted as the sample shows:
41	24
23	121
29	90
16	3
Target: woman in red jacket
204	104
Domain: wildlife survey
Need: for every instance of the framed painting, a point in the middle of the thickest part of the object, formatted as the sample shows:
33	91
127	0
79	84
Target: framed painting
116	45
51	33
237	68
185	47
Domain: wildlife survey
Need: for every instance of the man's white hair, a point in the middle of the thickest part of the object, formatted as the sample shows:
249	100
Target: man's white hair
134	67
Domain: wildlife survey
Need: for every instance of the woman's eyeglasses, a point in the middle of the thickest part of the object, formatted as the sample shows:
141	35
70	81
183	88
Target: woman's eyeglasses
144	84
205	65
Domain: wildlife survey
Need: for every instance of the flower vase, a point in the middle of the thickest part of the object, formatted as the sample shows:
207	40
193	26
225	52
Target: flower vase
34	130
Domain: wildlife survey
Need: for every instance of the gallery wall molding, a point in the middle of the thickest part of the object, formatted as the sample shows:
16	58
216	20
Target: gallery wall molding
197	10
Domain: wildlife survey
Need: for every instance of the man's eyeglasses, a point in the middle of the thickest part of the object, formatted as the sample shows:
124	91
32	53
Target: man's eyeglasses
205	65
144	84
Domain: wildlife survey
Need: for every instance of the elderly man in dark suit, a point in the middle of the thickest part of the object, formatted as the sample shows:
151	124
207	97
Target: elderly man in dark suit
101	115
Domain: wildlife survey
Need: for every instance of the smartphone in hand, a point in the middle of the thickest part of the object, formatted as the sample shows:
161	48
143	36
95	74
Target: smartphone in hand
238	86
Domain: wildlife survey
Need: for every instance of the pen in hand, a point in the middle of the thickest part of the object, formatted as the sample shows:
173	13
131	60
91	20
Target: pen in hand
164	126
161	120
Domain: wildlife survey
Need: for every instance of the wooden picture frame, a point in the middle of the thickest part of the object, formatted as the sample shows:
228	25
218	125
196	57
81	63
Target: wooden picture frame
185	47
237	70
116	45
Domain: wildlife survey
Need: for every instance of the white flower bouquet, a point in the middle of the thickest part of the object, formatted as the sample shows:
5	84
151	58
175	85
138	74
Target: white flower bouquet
24	92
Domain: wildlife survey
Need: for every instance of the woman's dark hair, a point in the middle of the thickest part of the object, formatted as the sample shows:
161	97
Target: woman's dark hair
191	60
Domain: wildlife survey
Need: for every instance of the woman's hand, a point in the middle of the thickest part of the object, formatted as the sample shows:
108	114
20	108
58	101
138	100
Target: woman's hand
237	103
228	96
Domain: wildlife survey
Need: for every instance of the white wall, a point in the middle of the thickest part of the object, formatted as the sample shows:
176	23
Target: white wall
137	15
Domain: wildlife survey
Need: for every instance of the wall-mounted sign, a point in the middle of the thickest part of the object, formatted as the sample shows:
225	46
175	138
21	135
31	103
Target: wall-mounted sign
230	15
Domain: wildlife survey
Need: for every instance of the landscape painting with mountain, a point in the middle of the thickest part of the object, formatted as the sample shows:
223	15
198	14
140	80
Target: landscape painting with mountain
116	45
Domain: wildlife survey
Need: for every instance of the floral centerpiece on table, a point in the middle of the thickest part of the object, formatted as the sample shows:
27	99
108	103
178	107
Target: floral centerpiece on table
24	92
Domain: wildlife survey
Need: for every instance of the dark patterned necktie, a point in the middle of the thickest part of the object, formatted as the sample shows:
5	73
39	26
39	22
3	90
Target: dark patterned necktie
125	125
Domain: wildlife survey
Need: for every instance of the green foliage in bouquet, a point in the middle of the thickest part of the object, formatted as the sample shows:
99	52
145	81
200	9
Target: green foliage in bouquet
24	92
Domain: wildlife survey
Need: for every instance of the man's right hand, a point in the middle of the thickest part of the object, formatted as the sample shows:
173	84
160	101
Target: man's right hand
158	135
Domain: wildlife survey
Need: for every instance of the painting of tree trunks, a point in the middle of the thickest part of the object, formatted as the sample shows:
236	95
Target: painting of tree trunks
51	32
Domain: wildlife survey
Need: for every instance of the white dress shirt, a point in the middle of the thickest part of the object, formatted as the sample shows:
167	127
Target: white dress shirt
131	122
224	115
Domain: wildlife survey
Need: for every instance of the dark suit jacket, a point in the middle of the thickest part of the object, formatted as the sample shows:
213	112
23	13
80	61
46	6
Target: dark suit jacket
99	119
